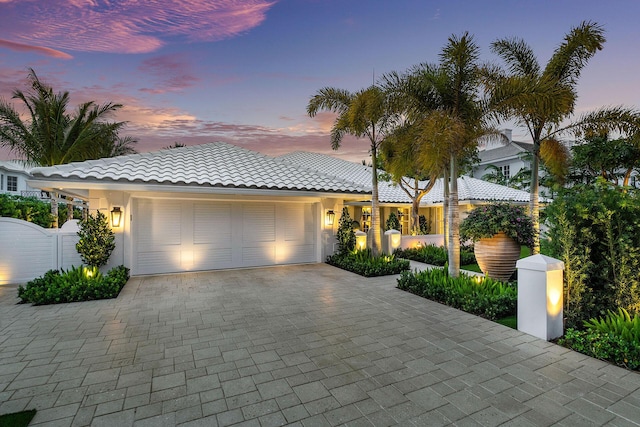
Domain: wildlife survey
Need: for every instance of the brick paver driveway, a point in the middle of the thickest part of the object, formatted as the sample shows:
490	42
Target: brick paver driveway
305	345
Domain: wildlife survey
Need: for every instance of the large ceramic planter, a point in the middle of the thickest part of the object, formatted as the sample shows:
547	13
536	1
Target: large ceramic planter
497	256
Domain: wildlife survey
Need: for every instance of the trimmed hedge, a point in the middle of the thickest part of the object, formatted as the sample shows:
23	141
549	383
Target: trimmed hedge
76	284
364	264
480	296
434	255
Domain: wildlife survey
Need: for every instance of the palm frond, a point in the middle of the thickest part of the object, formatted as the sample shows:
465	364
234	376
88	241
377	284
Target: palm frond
518	56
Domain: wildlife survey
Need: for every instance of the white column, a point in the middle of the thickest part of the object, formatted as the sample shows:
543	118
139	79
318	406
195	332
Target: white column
392	241
540	292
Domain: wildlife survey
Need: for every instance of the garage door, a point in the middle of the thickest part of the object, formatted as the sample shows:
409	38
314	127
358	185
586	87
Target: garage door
175	235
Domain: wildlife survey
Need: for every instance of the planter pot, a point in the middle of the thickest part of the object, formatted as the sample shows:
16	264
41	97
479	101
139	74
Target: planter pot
497	256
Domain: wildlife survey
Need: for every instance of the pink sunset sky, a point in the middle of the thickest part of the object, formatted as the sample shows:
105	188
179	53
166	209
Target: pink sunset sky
243	71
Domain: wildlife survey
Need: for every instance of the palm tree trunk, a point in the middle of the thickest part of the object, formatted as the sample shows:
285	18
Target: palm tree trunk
445	209
454	221
54	209
70	209
376	241
534	206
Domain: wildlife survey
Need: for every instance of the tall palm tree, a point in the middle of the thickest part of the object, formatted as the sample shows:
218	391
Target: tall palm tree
443	101
363	114
539	98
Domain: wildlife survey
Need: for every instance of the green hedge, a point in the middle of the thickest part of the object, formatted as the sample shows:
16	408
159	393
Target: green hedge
434	255
364	264
474	294
76	284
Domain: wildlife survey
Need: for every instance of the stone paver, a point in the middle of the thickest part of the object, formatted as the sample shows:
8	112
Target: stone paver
307	345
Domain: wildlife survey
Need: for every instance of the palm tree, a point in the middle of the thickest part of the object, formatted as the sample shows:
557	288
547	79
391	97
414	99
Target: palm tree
51	136
365	113
442	100
541	99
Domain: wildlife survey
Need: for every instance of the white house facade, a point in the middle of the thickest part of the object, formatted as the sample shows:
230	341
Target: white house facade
13	180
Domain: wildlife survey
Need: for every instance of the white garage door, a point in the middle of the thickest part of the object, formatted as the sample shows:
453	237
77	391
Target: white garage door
174	235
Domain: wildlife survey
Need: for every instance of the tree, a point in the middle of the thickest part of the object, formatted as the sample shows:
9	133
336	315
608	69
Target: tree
442	102
541	99
612	159
363	114
346	235
52	136
97	240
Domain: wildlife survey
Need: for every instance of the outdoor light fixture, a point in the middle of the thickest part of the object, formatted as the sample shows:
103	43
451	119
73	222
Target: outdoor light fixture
361	240
116	216
330	217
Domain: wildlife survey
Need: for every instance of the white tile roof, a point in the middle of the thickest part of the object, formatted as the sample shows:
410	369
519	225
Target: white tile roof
216	164
469	189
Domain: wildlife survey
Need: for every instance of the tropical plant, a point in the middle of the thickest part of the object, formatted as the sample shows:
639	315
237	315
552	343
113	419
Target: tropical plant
97	240
442	105
434	255
393	223
600	156
488	220
345	235
541	99
363	114
495	175
366	264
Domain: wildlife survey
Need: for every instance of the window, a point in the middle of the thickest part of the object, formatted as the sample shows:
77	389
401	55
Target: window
404	217
505	171
365	224
12	183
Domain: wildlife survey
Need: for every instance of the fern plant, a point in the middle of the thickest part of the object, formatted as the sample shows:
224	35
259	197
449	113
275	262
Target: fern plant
620	324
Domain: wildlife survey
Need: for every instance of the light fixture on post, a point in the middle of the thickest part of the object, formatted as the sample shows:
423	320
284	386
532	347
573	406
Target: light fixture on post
116	216
330	217
361	240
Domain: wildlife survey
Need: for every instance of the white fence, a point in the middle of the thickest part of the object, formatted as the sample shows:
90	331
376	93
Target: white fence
28	251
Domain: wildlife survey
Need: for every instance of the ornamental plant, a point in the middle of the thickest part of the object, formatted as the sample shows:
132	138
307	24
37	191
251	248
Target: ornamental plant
97	240
489	220
346	235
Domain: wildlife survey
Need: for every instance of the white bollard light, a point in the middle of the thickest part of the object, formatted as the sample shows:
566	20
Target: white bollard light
393	240
361	240
540	296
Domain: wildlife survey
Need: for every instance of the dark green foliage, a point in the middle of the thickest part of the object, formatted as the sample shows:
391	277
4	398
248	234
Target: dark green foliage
365	264
17	419
97	240
76	284
619	323
434	255
424	225
346	235
595	230
28	209
489	220
481	296
393	223
604	346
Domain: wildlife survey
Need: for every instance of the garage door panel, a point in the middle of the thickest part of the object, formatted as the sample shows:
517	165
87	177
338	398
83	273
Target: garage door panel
258	223
257	256
159	224
159	262
212	224
291	254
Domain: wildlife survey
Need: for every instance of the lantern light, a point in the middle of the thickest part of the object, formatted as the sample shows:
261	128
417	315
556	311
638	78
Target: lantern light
116	216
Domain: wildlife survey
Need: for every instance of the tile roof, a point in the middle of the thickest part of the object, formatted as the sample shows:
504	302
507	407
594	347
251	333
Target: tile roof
512	149
215	164
469	189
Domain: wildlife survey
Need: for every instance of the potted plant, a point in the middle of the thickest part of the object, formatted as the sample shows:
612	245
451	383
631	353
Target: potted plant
498	231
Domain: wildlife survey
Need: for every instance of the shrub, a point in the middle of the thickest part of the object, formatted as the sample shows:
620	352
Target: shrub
434	255
345	235
424	226
96	240
28	209
365	264
75	284
481	296
595	231
489	220
393	223
603	346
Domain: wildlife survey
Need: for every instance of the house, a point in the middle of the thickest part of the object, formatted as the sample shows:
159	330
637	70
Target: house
509	156
218	205
13	180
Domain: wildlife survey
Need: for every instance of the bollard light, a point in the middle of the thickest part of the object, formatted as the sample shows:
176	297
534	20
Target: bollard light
361	240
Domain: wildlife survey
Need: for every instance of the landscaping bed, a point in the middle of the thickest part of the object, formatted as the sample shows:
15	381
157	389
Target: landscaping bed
434	255
365	264
75	284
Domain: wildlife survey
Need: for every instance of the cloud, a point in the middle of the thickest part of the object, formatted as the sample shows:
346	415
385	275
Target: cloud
125	26
171	71
21	47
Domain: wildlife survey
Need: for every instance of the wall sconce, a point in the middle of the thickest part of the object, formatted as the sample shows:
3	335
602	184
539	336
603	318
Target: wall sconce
116	216
361	240
330	217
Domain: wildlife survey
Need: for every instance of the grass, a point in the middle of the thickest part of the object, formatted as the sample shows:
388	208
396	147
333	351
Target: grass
510	321
17	419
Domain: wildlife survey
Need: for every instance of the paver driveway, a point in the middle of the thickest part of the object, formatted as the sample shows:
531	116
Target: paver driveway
307	345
